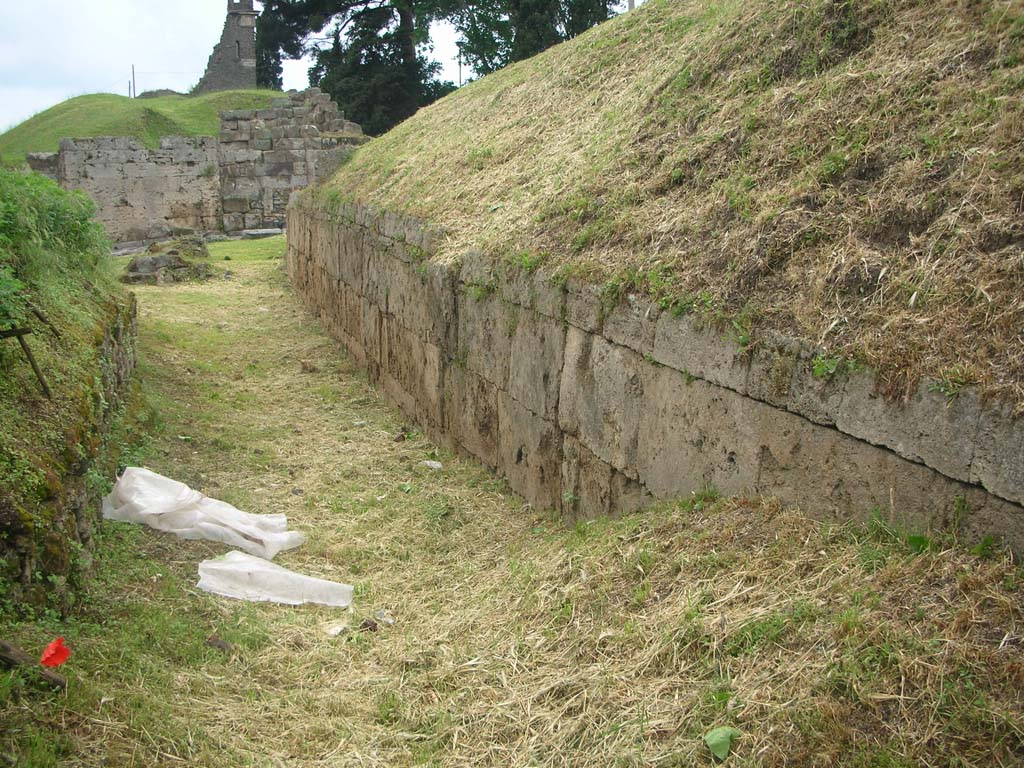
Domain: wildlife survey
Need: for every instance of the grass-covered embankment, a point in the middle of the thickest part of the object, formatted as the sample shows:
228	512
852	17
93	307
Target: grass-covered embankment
53	281
516	642
105	114
850	172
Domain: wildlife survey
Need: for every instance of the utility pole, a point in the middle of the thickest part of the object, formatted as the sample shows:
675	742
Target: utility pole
135	92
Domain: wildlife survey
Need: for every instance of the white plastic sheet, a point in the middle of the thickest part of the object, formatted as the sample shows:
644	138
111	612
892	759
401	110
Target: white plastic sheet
249	578
142	496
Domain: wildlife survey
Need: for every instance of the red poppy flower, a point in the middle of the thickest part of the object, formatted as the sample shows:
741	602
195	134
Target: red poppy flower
55	654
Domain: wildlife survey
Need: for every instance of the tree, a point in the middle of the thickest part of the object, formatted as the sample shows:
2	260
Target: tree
368	51
497	32
371	56
366	73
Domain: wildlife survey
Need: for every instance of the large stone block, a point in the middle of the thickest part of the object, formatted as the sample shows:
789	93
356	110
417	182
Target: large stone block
773	364
535	363
530	453
423	296
691	346
591	488
373	335
471	413
693	435
928	428
998	463
631	323
817	398
411	372
486	325
827	473
583	305
601	397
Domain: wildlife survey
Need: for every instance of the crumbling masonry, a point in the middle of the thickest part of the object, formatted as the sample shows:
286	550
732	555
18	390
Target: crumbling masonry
241	180
232	64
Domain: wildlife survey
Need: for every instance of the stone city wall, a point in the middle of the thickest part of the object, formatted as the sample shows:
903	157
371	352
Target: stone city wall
593	410
145	193
267	154
240	181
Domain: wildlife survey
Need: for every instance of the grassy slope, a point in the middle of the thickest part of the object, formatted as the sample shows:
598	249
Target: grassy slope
849	171
54	249
104	114
517	642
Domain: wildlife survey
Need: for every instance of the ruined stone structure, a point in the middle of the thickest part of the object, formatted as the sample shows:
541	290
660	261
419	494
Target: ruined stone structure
240	181
232	64
267	154
593	410
142	193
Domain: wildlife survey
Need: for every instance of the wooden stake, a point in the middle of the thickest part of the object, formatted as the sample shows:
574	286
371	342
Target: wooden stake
20	334
13	656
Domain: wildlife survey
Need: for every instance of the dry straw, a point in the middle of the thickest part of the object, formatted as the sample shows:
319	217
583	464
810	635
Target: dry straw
517	642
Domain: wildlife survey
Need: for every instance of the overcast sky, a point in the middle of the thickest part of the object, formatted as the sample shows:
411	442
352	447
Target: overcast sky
51	50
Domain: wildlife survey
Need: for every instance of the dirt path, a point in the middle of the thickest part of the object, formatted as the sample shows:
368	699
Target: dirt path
516	642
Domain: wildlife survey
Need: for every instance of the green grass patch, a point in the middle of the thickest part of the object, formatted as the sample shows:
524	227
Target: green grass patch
106	114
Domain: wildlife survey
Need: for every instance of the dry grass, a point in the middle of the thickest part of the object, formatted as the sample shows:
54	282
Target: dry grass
847	171
517	642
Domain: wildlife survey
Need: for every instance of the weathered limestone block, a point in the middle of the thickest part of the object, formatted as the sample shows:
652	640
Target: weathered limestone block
583	306
927	428
236	205
422	296
695	435
530	453
998	462
535	365
339	256
411	372
816	398
471	413
479	271
824	472
377	270
531	290
773	362
486	324
345	315
632	322
687	344
602	397
591	488
373	335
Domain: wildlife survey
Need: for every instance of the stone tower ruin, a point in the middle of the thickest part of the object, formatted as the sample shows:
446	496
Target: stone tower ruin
232	64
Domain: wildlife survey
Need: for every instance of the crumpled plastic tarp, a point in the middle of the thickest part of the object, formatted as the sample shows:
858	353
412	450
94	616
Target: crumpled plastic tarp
249	578
142	496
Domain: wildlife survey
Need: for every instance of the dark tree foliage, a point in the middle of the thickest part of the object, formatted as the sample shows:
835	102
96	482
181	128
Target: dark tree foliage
372	58
487	34
367	51
366	73
534	26
498	32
